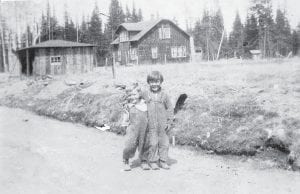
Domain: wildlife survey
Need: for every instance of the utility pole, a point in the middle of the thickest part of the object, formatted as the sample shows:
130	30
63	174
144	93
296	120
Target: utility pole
27	52
77	33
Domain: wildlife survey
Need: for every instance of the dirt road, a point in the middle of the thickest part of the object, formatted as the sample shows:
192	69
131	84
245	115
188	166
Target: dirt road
41	155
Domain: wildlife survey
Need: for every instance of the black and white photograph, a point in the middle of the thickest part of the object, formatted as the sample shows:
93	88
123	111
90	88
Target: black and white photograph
149	97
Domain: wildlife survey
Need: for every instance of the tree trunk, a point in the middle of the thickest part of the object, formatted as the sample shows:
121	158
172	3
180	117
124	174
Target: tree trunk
220	45
3	48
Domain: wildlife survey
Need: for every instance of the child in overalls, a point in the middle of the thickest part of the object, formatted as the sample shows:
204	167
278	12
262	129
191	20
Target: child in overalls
136	132
160	117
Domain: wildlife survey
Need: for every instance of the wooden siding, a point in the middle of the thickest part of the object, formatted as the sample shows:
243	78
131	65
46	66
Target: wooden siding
73	60
151	40
164	45
124	48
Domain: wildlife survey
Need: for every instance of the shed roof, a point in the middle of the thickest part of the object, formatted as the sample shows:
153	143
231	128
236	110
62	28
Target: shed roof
255	52
58	44
143	28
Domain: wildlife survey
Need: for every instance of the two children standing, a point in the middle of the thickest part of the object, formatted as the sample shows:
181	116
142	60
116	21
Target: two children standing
150	126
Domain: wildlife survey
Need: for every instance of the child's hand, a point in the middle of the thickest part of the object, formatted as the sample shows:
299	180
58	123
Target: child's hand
168	128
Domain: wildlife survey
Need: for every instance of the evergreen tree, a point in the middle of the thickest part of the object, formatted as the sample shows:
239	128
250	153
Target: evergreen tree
106	40
236	38
48	15
44	28
263	10
208	34
69	29
206	30
72	31
56	31
197	34
134	16
251	37
46	24
96	34
296	41
95	29
116	17
49	28
283	34
84	34
127	15
140	15
66	23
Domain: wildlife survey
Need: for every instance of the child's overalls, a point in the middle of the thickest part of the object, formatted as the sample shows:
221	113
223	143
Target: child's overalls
136	135
160	113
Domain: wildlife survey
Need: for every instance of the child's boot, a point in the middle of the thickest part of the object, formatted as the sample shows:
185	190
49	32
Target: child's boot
154	166
145	166
164	165
126	165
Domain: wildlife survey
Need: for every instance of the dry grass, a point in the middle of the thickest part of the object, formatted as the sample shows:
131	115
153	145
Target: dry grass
233	106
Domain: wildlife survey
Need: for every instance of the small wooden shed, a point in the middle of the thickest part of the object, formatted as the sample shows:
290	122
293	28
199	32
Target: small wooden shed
256	54
56	57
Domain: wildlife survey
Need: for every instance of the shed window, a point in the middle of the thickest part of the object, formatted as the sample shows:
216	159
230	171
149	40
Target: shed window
154	52
164	32
55	60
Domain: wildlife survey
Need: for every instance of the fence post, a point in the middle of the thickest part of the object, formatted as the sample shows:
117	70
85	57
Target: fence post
113	66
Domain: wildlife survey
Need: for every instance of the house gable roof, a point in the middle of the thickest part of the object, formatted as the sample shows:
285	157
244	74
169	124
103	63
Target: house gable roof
143	28
58	44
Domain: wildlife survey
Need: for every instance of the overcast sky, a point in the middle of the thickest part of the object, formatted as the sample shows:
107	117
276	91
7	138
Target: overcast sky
182	10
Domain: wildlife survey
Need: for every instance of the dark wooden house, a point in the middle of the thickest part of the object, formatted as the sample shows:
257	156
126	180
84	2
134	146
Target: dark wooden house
156	41
56	57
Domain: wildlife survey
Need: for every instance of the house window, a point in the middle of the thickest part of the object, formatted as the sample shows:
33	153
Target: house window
178	51
133	54
183	51
55	60
124	36
164	32
154	52
174	52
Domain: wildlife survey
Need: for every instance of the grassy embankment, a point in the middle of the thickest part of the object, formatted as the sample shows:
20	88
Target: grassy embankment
233	107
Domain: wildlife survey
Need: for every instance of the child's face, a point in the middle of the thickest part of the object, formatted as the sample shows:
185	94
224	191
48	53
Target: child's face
155	85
